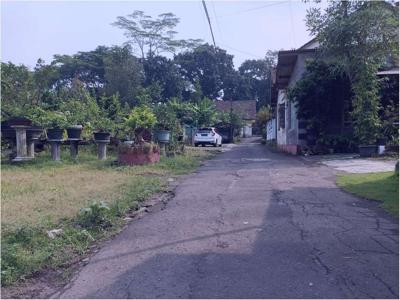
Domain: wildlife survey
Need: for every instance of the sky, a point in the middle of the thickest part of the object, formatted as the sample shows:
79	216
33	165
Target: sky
246	29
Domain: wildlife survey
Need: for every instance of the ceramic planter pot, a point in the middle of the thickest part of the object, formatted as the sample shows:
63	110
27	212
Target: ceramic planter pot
74	132
163	136
367	150
55	134
101	136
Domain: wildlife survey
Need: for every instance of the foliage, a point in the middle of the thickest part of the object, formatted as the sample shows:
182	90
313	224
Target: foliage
165	73
96	215
102	124
257	74
359	36
53	119
204	113
123	74
140	119
80	112
166	117
262	118
316	97
230	120
183	110
146	147
212	68
152	36
389	111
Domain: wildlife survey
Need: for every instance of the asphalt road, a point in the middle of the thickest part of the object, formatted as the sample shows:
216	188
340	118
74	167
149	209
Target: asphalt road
251	224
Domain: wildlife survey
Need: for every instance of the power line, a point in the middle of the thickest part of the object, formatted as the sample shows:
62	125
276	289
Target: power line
254	8
209	22
241	51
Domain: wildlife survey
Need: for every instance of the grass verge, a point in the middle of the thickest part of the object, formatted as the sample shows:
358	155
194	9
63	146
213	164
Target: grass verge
87	200
376	186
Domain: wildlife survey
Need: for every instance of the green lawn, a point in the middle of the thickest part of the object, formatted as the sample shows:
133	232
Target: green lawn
376	186
42	195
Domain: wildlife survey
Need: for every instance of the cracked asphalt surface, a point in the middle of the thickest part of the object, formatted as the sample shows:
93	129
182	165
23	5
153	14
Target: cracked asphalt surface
251	224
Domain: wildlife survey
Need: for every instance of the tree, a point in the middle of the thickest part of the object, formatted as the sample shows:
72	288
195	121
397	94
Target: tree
161	70
17	87
212	68
152	36
263	116
123	74
359	36
316	96
256	74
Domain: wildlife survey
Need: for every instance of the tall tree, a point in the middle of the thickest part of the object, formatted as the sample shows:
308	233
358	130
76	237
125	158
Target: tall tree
360	36
152	36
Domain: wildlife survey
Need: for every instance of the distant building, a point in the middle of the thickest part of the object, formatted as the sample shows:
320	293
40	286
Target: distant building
245	109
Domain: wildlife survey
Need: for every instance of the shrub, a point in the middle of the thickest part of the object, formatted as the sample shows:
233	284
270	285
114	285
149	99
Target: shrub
97	215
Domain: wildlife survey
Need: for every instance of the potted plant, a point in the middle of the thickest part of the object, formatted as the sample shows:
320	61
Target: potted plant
55	124
103	127
139	121
166	122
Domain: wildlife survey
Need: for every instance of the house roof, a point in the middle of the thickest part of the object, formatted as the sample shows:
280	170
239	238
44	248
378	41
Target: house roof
246	109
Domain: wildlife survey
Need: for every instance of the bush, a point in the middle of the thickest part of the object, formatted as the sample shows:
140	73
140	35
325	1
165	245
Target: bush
96	215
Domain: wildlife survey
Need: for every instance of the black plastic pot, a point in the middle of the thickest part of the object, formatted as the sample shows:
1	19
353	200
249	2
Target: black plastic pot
34	132
55	134
367	150
101	136
74	133
163	136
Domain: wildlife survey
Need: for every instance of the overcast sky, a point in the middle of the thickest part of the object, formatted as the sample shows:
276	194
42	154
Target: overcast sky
246	29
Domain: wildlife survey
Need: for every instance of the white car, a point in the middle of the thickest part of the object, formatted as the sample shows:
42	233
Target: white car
207	136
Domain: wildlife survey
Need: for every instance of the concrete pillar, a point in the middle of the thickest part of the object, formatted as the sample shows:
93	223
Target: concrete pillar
163	152
31	149
20	137
55	150
102	149
74	149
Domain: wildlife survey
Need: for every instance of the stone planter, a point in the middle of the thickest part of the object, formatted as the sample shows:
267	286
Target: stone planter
163	136
55	134
131	156
367	150
74	132
101	136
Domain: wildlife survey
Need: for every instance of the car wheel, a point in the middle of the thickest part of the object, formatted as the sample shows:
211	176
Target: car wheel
203	145
196	145
215	144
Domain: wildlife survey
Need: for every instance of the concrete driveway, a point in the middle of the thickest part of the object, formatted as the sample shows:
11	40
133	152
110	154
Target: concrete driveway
251	224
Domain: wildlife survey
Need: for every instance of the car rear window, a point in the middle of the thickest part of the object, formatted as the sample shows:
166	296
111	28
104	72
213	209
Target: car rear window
204	130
